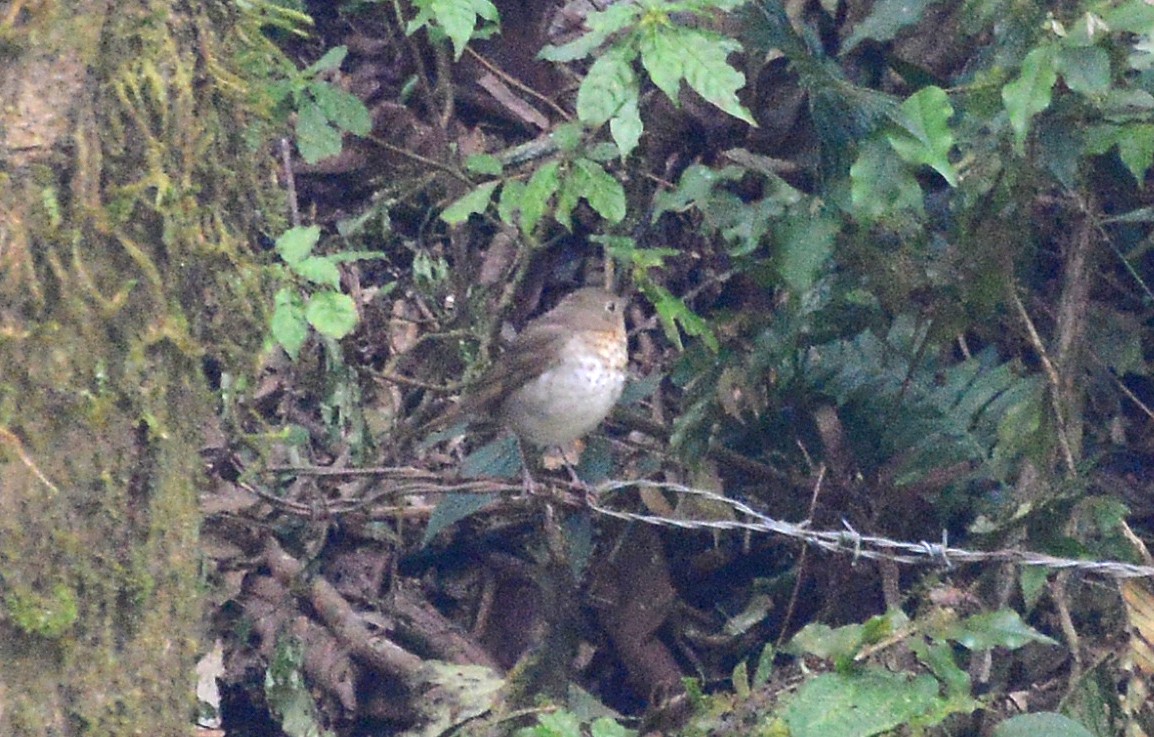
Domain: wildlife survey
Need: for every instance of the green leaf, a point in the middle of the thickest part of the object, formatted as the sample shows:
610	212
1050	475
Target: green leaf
288	325
939	658
500	458
626	127
609	85
695	186
1030	93
316	137
344	110
886	18
558	724
344	257
708	71
297	243
472	203
1085	69
827	642
1045	723
925	136
483	164
509	203
859	705
454	508
675	316
764	669
806	243
603	193
661	59
538	192
601	25
606	727
740	680
457	18
331	60
568	136
1032	582
287	694
610	93
880	184
1001	628
1136	148
625	250
333	314
318	269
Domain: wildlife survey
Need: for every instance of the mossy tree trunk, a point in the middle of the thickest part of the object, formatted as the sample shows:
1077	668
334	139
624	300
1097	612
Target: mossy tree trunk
126	198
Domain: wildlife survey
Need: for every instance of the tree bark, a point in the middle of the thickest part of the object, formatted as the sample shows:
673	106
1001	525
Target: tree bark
126	196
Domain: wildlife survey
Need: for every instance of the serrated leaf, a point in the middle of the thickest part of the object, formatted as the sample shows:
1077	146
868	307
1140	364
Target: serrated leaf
538	192
333	314
707	70
316	137
601	24
288	325
457	18
568	136
662	59
674	316
297	243
318	269
925	136
695	186
1030	93
471	204
609	84
345	110
626	128
603	193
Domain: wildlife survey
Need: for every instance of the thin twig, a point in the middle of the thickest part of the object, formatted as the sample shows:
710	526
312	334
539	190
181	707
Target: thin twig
1052	376
286	157
518	84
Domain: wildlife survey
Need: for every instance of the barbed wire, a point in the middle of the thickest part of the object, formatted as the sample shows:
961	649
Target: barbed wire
851	541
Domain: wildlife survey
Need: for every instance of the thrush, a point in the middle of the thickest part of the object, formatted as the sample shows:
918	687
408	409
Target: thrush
561	375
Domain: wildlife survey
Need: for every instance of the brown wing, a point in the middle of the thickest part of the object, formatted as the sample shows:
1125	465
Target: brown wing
535	350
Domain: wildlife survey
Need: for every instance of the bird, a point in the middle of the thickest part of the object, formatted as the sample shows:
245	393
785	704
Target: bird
557	380
561	375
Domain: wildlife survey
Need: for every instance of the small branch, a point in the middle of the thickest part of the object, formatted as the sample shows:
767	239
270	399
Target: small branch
516	83
342	620
286	158
1052	376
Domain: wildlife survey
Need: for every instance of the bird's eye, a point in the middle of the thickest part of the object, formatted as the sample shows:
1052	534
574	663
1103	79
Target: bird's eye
611	306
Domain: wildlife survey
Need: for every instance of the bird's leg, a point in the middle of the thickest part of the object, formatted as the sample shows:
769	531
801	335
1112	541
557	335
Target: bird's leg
587	492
